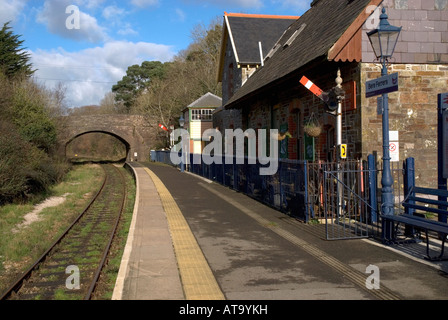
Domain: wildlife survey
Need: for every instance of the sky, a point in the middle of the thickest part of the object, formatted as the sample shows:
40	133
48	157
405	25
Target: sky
87	45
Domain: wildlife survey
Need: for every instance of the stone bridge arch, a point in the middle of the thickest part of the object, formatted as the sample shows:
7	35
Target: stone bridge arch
132	130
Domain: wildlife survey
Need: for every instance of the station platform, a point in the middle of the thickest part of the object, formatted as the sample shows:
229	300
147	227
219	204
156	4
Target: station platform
192	239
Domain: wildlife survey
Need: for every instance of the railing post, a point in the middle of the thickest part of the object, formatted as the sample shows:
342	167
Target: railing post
307	205
408	185
183	160
409	181
441	179
280	183
235	174
373	184
223	171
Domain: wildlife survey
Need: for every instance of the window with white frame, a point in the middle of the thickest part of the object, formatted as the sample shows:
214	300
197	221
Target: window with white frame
201	114
196	114
207	114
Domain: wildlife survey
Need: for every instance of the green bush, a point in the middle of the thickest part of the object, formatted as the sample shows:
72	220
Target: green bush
25	169
15	155
28	137
30	116
28	133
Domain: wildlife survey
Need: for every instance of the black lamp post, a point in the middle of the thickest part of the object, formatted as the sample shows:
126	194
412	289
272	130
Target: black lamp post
383	40
182	124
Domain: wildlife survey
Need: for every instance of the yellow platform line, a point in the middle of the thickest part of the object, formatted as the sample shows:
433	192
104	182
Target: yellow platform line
197	278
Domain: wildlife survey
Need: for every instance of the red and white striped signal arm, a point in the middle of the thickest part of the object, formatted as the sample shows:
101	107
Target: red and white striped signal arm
163	127
318	92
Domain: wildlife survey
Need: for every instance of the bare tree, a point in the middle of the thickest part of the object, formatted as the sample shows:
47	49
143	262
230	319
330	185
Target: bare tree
191	75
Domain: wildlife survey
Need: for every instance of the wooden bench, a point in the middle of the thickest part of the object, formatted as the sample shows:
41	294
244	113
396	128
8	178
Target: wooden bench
418	201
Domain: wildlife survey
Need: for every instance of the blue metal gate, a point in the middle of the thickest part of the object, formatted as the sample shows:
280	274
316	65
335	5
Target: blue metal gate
349	213
352	198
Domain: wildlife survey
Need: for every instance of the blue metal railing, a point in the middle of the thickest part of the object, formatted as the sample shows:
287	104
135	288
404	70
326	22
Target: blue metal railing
296	188
161	156
286	190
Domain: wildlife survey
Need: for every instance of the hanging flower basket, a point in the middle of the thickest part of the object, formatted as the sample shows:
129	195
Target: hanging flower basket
313	130
313	127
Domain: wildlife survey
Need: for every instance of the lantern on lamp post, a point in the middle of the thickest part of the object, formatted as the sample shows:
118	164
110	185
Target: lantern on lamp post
181	121
383	41
182	124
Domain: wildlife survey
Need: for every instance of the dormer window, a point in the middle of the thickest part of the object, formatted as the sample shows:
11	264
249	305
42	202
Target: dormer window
294	35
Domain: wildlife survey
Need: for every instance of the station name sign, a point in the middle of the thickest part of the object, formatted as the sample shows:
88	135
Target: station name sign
385	84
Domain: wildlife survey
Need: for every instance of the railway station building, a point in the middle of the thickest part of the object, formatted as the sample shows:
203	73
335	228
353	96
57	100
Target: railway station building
332	36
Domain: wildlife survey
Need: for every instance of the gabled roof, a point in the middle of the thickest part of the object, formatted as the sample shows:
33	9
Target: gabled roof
245	31
321	32
209	100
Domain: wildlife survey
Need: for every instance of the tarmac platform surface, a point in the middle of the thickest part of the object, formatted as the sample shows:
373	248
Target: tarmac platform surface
191	239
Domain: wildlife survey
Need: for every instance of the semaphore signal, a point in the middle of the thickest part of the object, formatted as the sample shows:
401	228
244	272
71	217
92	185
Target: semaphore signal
312	87
330	98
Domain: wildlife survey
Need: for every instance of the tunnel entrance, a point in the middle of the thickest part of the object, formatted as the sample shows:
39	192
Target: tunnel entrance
97	146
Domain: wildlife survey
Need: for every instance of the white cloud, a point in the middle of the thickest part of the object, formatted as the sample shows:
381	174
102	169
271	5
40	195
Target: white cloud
113	12
181	15
10	9
145	3
114	16
127	30
90	74
54	16
91	4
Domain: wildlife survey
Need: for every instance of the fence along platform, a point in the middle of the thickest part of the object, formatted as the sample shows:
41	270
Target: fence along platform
342	195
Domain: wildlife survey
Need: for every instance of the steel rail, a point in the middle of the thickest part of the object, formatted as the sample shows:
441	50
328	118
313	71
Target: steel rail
109	244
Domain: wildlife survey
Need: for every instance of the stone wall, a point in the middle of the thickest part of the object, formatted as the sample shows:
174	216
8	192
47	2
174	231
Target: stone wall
412	112
133	130
235	77
420	58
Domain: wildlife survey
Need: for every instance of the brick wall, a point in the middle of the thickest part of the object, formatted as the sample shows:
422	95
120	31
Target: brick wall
295	105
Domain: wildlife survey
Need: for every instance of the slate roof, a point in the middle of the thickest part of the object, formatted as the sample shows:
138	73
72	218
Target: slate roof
317	30
209	100
246	30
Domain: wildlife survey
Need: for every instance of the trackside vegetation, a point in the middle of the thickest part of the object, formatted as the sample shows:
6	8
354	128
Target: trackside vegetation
28	126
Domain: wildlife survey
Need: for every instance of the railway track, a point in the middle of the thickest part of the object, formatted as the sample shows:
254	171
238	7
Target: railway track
70	268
